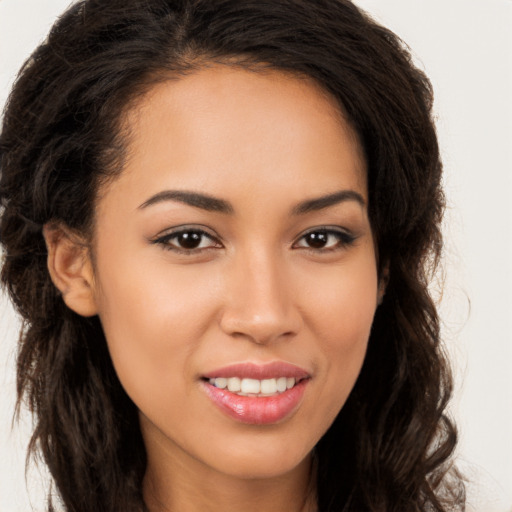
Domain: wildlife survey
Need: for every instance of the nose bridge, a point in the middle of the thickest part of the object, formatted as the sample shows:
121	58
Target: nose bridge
260	303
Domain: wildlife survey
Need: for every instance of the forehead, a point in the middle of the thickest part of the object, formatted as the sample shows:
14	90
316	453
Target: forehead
223	126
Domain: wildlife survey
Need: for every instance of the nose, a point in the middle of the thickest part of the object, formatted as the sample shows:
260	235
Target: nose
260	304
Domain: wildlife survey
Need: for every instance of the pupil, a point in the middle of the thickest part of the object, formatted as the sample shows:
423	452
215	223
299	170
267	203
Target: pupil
317	240
189	240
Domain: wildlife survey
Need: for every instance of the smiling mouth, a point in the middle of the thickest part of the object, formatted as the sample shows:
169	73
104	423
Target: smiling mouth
257	393
254	387
254	401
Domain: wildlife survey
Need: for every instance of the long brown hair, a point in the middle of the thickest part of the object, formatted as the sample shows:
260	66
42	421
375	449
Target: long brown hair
390	446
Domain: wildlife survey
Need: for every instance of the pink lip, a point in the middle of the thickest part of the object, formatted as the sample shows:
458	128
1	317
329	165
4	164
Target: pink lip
258	410
259	371
254	410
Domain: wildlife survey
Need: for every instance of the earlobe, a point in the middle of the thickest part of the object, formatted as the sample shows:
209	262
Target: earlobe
70	268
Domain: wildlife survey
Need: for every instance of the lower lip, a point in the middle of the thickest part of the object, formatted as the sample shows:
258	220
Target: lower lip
257	410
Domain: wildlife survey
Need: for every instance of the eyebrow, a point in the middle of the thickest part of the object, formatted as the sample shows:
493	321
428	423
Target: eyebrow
319	203
203	201
214	204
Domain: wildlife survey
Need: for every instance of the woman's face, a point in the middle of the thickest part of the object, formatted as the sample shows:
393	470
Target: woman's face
234	255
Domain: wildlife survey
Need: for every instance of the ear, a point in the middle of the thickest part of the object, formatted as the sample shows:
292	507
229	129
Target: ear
70	268
383	283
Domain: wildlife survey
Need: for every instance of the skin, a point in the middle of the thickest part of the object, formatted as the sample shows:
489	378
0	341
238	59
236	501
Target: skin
255	290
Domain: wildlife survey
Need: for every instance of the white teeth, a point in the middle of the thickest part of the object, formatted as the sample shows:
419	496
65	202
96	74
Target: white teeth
234	384
221	382
281	384
244	387
268	386
250	386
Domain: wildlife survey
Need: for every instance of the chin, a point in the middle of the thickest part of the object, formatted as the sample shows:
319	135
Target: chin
268	461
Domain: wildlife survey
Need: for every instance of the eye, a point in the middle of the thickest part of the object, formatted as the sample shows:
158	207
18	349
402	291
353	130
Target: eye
325	239
188	240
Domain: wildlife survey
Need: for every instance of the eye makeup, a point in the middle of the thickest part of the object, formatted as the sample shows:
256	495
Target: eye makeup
193	240
188	240
325	239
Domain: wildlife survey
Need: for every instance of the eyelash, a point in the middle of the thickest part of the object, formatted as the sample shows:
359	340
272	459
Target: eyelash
344	240
165	240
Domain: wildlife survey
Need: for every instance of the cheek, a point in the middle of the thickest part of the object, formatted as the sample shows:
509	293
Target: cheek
341	303
153	321
340	316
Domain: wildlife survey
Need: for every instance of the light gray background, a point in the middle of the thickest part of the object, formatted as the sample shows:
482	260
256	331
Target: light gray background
465	46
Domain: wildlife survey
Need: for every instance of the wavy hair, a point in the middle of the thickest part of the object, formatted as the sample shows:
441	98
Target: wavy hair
390	446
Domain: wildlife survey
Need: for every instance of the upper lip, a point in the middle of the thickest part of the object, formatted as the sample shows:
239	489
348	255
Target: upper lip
259	371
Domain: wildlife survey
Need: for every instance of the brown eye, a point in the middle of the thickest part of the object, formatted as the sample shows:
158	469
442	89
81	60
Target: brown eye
188	240
317	240
325	240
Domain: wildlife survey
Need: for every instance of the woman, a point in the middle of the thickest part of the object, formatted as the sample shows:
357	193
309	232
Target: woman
219	219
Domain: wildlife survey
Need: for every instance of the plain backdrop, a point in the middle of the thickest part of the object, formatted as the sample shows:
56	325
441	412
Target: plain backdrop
465	46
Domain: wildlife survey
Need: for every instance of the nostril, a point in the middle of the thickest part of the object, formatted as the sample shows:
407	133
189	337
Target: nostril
260	317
